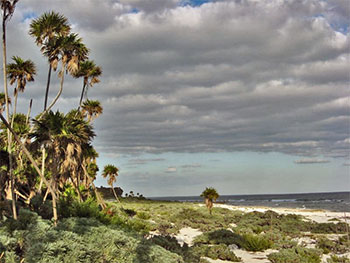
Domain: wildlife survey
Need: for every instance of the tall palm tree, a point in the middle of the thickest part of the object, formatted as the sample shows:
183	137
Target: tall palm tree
92	109
8	8
44	29
19	72
210	195
90	73
70	50
111	172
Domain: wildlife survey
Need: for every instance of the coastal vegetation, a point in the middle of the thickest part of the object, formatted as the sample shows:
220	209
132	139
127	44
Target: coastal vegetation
51	210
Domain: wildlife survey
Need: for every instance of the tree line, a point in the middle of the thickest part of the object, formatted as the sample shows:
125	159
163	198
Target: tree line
53	151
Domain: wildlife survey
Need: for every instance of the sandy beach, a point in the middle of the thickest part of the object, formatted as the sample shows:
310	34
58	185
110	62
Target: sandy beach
186	235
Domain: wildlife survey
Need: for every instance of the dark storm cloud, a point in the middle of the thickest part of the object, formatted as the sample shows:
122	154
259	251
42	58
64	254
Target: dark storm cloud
266	76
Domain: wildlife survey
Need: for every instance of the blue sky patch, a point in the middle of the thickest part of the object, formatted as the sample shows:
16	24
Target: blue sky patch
194	2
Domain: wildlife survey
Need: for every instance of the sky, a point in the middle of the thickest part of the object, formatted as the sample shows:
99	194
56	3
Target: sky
246	96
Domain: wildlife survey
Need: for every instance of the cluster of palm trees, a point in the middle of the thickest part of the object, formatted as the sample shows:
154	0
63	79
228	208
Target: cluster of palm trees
53	150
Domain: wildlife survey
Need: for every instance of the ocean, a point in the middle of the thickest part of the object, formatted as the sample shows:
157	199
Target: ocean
335	201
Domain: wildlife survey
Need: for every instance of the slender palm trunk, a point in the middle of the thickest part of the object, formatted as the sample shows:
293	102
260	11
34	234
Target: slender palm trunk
100	200
9	136
43	157
29	110
31	159
14	109
47	86
58	94
82	94
115	194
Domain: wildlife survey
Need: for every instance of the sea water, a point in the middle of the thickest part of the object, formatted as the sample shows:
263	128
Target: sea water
335	201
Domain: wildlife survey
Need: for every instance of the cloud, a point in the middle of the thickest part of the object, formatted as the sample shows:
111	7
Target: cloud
311	161
191	166
144	161
171	169
225	76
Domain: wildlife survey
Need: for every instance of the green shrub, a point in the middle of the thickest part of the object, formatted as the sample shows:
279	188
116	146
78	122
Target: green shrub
338	259
216	252
221	236
25	219
325	244
328	228
255	243
129	212
44	209
280	240
143	215
171	244
296	255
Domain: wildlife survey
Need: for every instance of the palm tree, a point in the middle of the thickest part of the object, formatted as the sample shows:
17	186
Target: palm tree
44	29
92	109
111	172
70	50
90	73
63	136
8	8
20	72
210	195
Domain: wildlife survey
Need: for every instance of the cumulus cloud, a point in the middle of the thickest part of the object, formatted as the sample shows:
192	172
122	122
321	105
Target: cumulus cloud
265	76
311	160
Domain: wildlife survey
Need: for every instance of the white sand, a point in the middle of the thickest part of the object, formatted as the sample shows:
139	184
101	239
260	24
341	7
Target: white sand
186	235
319	216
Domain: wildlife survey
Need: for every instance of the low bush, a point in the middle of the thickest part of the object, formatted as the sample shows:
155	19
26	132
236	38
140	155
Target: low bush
255	243
328	228
338	259
143	215
77	240
221	236
340	246
129	212
296	255
216	252
171	244
280	240
44	209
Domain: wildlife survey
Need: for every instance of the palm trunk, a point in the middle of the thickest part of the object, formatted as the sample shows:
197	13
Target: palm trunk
115	194
100	200
14	109
9	137
29	110
31	159
43	157
82	95
47	86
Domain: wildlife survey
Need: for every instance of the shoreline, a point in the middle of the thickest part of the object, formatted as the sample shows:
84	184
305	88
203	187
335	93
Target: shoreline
317	215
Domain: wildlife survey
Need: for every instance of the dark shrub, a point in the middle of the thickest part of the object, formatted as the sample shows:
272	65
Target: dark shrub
296	255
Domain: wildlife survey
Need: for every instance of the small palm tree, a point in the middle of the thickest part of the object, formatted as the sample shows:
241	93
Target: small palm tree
20	72
90	73
210	195
111	172
92	109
